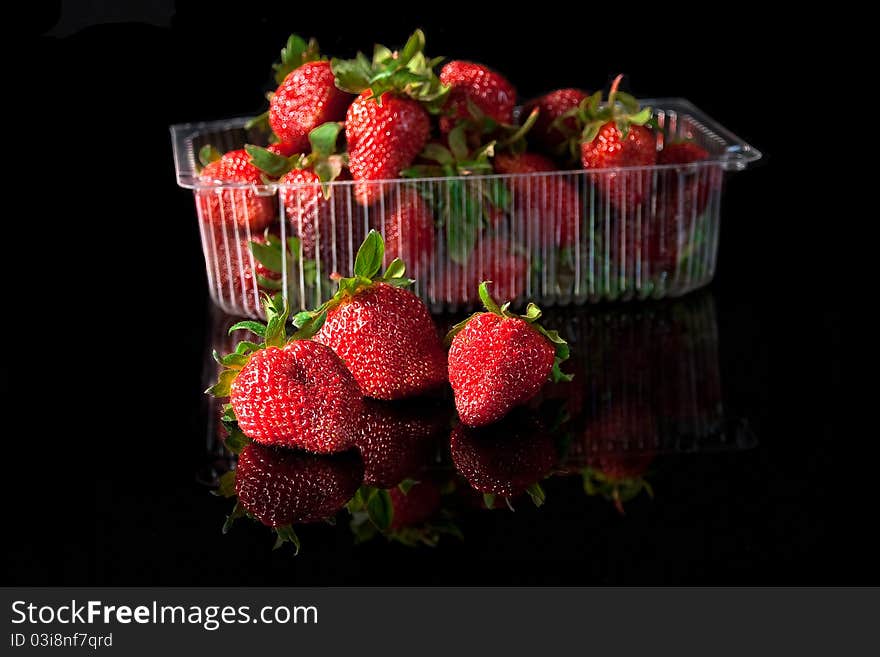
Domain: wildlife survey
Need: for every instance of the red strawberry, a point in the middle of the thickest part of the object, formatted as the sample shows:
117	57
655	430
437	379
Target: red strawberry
293	393
395	441
307	98
614	136
489	91
686	191
387	125
408	228
240	206
498	360
282	149
417	505
383	332
620	445
316	213
233	269
282	487
547	132
681	152
383	140
611	149
551	204
682	196
506	459
322	223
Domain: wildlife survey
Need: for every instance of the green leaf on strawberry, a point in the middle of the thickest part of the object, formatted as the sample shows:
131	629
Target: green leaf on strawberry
208	154
369	257
226	485
296	52
407	72
537	494
272	164
615	489
379	509
260	122
285	534
238	511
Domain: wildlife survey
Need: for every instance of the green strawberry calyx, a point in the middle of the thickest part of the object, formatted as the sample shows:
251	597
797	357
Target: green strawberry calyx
276	256
208	154
464	207
324	161
283	533
367	265
591	114
407	72
531	316
273	334
617	490
296	52
372	514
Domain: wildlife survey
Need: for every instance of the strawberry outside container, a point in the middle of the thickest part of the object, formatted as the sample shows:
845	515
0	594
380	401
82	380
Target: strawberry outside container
557	238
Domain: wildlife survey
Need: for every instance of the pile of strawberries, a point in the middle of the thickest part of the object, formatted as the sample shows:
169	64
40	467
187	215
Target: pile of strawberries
373	339
401	119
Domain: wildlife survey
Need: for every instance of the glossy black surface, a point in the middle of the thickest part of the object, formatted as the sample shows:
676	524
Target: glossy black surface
104	478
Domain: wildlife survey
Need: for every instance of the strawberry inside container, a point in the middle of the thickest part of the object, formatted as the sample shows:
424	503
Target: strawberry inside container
557	237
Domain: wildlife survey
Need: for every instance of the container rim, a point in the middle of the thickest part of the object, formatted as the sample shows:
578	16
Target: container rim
734	155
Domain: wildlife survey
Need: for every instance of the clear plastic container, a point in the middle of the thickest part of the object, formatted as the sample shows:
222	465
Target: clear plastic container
566	237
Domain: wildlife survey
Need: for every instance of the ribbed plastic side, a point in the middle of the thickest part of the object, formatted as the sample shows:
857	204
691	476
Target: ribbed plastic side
559	238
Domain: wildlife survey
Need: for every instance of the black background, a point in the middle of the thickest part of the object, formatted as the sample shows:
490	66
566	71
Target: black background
103	490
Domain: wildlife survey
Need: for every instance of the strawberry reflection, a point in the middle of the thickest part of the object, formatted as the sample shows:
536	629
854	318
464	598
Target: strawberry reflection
282	488
402	496
646	385
506	459
620	446
397	440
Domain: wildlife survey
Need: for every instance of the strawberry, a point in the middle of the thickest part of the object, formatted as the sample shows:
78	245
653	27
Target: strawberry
307	98
552	129
317	215
682	196
282	487
461	206
551	204
486	89
239	206
395	440
292	393
387	125
238	275
408	227
498	360
382	331
415	506
506	459
687	189
681	152
620	445
614	135
384	136
410	513
282	149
